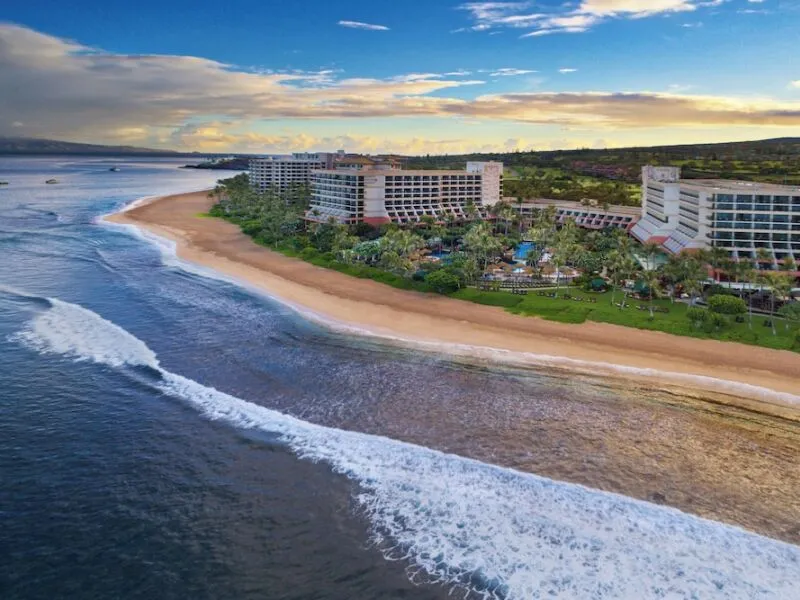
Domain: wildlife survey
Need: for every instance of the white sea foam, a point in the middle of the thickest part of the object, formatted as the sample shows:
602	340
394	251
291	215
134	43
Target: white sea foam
74	331
169	256
495	532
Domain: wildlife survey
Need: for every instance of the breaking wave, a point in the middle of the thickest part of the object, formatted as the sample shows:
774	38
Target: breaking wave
490	531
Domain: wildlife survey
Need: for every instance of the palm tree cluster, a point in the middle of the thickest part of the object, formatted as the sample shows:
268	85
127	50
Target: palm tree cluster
277	219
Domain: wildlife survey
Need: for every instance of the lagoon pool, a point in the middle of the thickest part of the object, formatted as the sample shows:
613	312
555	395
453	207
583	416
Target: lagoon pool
521	252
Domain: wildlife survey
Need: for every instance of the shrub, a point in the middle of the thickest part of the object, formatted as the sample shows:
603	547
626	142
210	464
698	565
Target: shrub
718	290
251	227
696	315
442	281
727	305
583	281
365	231
716	321
308	253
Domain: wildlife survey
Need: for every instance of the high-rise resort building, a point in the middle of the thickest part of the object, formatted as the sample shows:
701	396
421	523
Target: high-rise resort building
279	173
739	216
376	191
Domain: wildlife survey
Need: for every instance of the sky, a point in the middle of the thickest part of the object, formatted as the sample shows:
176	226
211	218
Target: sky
412	76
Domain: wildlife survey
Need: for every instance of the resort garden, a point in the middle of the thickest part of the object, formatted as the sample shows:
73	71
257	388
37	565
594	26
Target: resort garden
539	267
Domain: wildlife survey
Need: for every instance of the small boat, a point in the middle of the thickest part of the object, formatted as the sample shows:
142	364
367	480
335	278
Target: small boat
114	169
52	181
3	183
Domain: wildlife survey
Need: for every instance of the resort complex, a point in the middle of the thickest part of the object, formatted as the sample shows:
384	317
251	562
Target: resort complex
375	192
746	219
453	232
282	172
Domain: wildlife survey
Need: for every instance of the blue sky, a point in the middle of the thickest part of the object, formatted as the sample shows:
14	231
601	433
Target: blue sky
435	76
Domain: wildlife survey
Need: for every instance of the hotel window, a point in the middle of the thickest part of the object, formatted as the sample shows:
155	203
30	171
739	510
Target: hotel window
744	202
760	219
763	203
724	202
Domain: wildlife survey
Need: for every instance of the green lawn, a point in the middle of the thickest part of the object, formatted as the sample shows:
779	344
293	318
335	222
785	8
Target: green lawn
571	311
567	311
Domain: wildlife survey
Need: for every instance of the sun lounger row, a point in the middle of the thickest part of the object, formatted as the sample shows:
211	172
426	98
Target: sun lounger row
568	297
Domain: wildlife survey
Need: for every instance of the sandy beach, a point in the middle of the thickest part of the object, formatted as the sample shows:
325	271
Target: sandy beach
650	358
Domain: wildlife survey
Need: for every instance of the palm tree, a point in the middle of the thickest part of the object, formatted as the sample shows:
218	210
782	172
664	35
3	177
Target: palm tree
480	241
790	312
392	261
652	280
564	248
728	266
651	250
693	284
675	272
758	277
437	231
743	269
620	266
403	242
717	257
781	284
506	213
789	265
763	256
470	210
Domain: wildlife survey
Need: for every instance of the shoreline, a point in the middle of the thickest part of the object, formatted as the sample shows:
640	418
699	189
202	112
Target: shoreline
761	378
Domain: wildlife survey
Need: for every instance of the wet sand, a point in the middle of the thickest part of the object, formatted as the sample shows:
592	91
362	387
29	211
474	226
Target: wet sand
437	320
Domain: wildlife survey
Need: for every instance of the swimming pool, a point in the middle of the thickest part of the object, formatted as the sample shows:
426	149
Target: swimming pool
521	252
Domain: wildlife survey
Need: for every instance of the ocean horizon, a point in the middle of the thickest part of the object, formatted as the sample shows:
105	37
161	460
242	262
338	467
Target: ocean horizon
167	433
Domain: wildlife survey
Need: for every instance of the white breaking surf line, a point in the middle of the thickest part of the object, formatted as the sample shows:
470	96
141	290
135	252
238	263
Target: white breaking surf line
494	531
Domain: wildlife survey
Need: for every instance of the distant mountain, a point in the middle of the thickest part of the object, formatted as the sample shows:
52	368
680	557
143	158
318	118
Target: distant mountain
9	145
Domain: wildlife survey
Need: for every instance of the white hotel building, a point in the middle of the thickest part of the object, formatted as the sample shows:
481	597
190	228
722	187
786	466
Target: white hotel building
739	216
279	173
362	190
588	217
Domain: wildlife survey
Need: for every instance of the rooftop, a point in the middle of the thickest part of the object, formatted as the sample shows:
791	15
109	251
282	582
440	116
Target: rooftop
289	159
730	185
567	205
355	160
395	172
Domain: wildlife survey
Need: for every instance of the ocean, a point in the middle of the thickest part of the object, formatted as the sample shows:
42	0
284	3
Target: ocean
168	434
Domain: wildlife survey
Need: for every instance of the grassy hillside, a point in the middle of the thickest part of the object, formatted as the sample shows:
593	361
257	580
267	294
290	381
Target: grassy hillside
10	145
775	160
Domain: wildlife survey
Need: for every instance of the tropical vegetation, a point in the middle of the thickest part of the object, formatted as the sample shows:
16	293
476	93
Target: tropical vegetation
620	281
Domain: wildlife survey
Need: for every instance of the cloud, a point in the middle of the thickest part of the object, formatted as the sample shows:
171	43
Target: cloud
567	70
61	89
571	17
638	8
508	72
212	138
359	25
795	84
